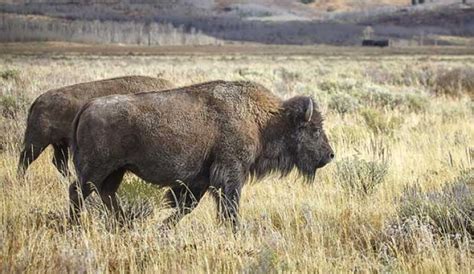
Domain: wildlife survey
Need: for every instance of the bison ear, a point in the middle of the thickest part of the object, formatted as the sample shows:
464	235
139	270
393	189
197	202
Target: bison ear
300	109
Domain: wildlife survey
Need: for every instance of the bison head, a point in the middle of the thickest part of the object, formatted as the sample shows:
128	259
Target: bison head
308	142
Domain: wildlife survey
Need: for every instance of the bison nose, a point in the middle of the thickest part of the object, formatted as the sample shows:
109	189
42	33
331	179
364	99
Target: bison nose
331	155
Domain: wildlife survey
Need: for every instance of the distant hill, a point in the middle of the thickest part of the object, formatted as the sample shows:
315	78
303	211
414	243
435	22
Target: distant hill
189	22
306	9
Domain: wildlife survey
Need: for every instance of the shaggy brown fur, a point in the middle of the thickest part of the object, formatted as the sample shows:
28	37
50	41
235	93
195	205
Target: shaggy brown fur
211	136
51	115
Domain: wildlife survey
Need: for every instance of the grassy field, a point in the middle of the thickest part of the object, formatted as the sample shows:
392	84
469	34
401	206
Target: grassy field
238	49
398	197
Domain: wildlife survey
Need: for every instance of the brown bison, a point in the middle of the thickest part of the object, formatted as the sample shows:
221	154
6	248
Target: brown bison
51	115
211	136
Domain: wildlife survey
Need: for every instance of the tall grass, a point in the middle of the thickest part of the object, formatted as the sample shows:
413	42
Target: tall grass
287	226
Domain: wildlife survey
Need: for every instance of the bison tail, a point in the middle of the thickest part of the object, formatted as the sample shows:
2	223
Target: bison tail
74	145
30	110
29	122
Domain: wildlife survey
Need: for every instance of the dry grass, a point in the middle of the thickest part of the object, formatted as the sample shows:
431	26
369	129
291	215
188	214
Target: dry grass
288	226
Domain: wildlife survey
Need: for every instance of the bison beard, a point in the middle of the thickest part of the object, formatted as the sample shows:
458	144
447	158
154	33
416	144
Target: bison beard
210	136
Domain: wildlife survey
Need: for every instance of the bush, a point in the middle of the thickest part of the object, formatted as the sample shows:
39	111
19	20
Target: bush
343	103
410	236
341	86
411	75
137	198
10	74
426	218
380	98
307	1
455	82
359	176
346	97
380	123
11	106
416	102
134	189
449	211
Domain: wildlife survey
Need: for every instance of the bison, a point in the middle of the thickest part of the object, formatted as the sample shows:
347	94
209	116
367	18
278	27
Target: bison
51	115
211	136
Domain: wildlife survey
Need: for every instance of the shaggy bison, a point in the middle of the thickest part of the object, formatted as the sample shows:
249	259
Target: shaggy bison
51	115
211	136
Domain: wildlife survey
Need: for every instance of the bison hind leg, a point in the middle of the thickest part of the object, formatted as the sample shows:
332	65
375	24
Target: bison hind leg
107	191
31	151
60	159
79	190
106	188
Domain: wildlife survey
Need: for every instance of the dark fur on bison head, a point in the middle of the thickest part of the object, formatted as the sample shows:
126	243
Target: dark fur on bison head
295	138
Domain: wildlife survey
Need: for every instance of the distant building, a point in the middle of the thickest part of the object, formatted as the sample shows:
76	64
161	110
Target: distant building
376	43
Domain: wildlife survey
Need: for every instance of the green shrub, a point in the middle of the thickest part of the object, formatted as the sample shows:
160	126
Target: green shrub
266	261
343	103
135	189
11	106
329	86
348	96
307	1
379	98
138	198
427	218
359	176
449	211
10	74
380	123
383	99
287	76
411	75
344	86
416	102
408	236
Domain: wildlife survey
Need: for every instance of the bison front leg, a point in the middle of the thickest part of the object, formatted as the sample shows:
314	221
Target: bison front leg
228	203
107	192
227	184
60	159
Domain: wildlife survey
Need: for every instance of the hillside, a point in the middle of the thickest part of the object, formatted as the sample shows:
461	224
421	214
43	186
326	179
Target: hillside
218	7
204	22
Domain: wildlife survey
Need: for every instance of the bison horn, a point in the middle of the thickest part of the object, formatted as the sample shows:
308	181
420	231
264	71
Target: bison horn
309	111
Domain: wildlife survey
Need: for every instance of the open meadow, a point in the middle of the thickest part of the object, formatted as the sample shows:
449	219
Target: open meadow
398	197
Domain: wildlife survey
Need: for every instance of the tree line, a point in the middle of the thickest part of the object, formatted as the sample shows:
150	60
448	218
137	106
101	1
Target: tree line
20	28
